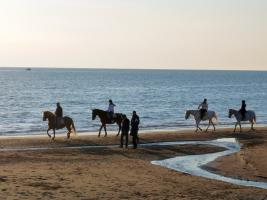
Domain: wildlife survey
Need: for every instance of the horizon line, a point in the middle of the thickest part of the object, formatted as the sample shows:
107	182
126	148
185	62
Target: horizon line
134	68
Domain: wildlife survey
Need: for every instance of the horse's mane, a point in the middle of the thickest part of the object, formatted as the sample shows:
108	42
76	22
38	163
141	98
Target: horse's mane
49	112
104	111
99	110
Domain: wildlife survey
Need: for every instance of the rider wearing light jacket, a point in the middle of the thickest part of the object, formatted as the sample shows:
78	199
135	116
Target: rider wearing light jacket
111	109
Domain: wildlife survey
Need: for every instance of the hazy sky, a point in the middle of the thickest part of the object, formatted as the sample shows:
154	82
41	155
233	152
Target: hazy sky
205	34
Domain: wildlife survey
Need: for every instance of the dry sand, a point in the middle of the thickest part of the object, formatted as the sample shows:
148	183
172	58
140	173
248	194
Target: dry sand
115	173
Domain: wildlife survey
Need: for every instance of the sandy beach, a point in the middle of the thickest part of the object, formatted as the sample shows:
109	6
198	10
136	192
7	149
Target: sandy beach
113	173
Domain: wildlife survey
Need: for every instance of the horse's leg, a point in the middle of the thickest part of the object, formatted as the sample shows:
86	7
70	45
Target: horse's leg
119	130
100	129
213	126
235	126
208	126
105	130
197	122
54	131
69	131
196	126
240	127
252	128
48	132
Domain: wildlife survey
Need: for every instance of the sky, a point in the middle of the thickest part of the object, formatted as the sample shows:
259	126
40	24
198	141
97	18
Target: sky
173	34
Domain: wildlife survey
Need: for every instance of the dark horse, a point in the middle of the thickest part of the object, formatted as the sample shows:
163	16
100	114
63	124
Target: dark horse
104	118
68	123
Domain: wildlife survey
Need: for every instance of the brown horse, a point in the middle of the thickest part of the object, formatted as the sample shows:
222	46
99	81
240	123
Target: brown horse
67	122
105	119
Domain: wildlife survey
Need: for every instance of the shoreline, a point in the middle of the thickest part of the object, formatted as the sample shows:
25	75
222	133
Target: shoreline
142	131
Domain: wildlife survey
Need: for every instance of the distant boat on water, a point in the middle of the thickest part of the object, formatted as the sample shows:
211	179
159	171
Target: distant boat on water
28	69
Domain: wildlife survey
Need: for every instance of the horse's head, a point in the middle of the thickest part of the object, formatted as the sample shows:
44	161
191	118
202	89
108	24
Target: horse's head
187	114
93	114
230	113
48	115
44	115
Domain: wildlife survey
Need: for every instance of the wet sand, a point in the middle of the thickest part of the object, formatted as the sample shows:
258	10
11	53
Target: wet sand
115	173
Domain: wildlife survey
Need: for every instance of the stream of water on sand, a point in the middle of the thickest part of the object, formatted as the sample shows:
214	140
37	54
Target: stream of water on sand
193	164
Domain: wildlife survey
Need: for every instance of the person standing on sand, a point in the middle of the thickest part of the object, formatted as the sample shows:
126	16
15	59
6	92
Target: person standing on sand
243	109
125	130
59	114
134	129
203	108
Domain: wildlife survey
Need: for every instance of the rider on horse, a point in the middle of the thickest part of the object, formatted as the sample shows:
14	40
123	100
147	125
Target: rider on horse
111	109
59	114
243	109
203	108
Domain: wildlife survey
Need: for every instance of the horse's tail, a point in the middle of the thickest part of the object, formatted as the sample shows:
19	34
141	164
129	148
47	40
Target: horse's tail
216	117
73	127
254	118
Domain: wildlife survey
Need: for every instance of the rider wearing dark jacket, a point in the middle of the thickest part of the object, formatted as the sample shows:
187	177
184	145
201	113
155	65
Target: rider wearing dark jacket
59	111
203	108
125	130
134	129
59	115
243	109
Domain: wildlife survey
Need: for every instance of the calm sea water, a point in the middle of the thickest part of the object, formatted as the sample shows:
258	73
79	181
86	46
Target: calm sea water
160	97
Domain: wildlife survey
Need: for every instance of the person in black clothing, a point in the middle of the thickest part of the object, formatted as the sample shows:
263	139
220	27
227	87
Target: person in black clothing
134	129
59	111
243	109
125	130
59	114
203	108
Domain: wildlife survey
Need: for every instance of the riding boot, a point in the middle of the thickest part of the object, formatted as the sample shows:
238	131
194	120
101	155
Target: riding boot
243	116
56	123
201	114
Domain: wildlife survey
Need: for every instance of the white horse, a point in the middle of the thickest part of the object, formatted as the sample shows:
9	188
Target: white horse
209	115
249	116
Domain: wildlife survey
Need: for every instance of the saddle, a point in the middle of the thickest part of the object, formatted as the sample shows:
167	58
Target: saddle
114	115
59	122
203	113
243	116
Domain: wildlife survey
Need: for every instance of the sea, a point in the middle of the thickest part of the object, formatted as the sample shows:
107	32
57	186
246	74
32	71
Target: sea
160	97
